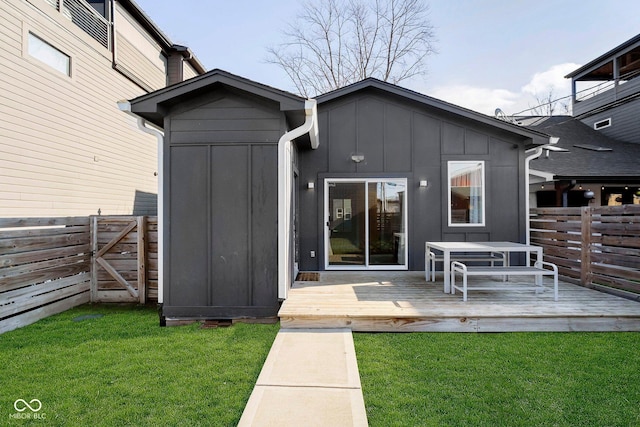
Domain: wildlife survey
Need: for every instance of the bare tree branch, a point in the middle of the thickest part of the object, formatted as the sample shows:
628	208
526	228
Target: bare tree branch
548	104
333	43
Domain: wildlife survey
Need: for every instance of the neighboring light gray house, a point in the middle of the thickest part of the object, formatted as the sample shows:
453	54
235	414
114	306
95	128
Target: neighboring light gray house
65	149
606	92
260	183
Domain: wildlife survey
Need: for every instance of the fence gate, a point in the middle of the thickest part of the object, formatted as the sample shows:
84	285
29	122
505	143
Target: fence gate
119	259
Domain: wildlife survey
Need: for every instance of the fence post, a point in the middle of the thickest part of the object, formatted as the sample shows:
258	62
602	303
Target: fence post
142	259
585	249
94	265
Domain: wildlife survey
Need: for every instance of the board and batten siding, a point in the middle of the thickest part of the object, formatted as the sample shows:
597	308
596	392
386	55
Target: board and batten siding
401	139
65	148
221	207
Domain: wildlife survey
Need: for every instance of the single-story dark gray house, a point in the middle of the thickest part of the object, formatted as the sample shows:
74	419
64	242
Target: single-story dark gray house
259	184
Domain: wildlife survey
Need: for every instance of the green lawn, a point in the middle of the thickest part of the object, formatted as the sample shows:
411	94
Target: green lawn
515	379
123	369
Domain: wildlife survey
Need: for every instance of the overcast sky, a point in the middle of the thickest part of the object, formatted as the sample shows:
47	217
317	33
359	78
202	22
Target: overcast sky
492	53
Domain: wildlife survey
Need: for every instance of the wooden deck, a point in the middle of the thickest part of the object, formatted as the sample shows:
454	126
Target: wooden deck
405	302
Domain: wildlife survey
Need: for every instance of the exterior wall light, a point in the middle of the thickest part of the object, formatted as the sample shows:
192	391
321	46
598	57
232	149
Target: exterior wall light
357	158
311	185
424	183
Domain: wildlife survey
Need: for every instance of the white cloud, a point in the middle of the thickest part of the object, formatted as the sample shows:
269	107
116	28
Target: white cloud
480	99
551	80
486	100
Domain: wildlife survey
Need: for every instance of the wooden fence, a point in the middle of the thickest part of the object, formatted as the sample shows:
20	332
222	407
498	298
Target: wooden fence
125	261
48	265
44	268
592	246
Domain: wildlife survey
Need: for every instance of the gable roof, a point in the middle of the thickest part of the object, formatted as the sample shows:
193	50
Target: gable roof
614	160
153	106
538	137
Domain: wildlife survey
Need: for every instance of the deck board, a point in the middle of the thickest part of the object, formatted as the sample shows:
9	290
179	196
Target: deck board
404	301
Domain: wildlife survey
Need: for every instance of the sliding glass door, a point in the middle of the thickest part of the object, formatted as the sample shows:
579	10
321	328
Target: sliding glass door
366	223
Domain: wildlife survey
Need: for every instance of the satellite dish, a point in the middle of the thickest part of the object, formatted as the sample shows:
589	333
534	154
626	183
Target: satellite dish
501	115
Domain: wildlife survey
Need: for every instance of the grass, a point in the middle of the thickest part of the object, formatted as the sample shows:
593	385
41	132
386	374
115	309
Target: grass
515	379
123	369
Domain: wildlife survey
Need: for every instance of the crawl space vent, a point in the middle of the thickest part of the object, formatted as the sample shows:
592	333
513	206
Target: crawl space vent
308	277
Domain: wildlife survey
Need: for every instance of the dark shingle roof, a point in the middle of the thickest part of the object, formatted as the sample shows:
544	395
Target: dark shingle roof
619	159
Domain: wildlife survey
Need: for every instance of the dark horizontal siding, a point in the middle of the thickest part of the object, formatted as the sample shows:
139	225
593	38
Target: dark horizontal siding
227	118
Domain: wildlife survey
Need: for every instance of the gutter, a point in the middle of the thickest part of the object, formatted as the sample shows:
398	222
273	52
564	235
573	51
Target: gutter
142	125
534	153
285	189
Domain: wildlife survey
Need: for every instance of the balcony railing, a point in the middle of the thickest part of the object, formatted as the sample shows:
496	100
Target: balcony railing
86	17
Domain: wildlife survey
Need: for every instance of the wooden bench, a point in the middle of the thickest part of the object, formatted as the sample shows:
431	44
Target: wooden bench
431	258
537	271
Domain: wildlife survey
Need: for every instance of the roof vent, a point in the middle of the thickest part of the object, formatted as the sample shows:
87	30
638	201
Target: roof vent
602	124
592	147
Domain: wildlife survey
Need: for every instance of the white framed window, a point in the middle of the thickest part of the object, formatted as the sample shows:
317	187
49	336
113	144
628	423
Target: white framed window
48	54
466	193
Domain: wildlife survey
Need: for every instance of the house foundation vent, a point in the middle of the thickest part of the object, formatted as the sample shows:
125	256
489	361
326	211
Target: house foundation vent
308	277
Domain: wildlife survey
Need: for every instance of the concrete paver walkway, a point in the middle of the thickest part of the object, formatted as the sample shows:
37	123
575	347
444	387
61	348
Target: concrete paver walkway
310	378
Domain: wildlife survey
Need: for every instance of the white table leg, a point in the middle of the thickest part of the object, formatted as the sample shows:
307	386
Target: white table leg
427	266
447	271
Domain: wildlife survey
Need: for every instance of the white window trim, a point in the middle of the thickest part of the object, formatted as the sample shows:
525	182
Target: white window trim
366	266
41	64
484	189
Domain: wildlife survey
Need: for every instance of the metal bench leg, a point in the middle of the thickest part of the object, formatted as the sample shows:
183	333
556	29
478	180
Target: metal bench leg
427	267
464	287
453	282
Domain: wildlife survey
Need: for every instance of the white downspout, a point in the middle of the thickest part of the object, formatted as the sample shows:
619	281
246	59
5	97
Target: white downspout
535	153
309	126
126	107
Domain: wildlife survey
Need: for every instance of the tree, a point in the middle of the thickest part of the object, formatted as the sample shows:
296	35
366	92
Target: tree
548	104
333	43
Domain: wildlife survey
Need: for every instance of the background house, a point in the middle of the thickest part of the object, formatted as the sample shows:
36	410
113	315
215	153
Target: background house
65	148
597	159
606	92
584	168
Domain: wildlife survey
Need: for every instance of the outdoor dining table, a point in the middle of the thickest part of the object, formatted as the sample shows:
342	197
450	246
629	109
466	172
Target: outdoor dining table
507	248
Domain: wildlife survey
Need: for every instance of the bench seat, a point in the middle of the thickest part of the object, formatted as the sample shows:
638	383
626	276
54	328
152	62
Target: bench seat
538	270
431	258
